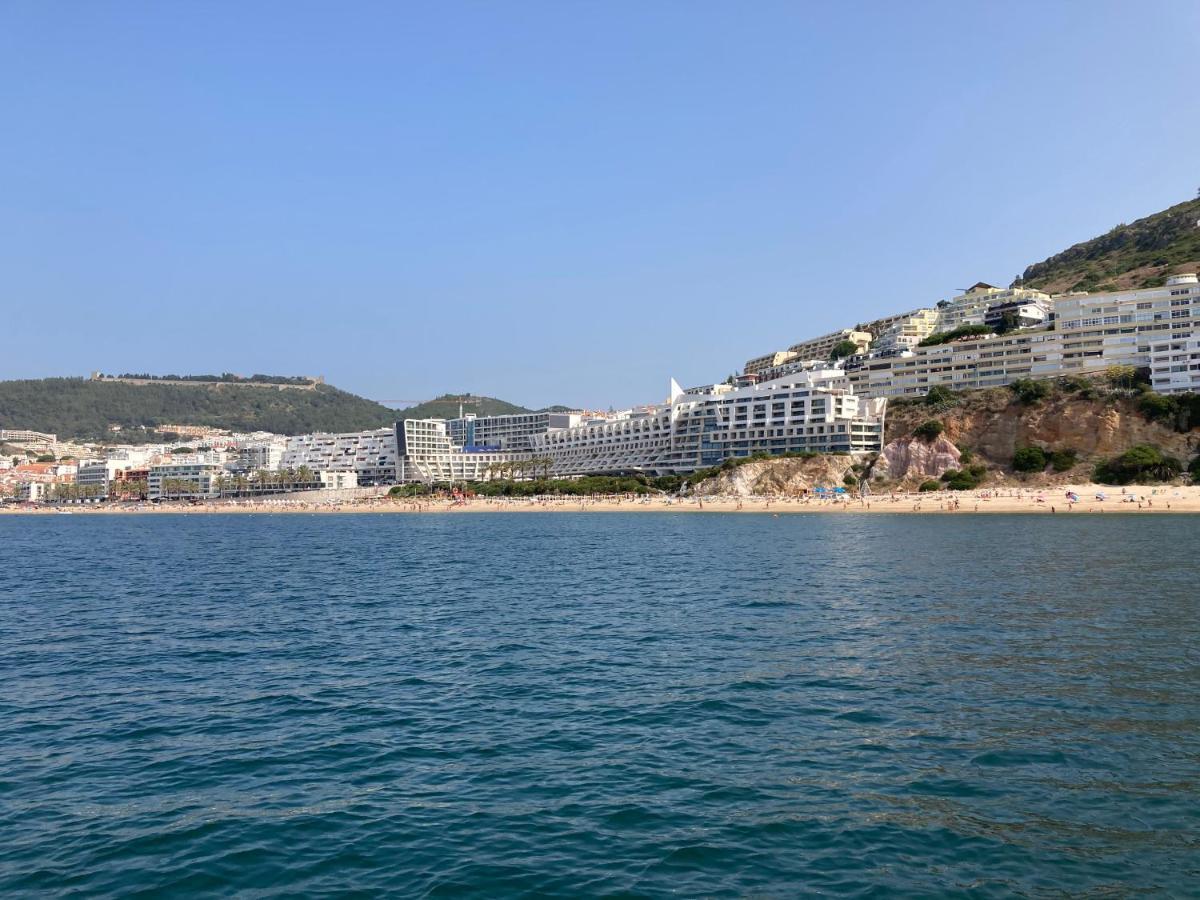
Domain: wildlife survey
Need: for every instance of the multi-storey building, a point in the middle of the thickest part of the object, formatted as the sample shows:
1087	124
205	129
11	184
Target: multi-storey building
256	455
807	411
907	331
509	432
985	361
1120	328
427	453
821	347
24	436
818	348
371	455
183	481
1152	328
1175	364
761	364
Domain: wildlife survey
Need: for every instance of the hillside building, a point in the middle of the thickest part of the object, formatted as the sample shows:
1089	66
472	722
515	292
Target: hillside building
814	411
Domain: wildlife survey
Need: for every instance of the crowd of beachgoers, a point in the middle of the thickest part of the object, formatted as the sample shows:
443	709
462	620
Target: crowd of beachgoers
1063	499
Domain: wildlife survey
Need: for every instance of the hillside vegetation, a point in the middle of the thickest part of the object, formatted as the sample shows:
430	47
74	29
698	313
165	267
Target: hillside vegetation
1138	255
83	410
447	407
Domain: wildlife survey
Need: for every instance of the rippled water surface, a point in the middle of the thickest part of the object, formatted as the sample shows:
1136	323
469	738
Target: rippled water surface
580	705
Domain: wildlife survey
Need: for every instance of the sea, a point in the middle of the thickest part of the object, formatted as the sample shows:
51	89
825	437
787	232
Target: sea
648	704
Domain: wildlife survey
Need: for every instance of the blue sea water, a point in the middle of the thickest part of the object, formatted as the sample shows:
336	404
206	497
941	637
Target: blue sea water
599	705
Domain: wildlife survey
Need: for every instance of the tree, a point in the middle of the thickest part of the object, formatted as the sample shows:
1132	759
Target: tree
1120	376
843	349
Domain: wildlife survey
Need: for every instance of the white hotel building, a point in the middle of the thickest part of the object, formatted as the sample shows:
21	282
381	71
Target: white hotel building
426	453
814	411
370	455
509	432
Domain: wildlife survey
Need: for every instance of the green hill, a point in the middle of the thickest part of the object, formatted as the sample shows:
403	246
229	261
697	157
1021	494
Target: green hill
81	409
1139	255
447	407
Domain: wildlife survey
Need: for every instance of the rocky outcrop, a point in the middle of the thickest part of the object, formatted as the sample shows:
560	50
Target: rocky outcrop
777	477
993	424
912	458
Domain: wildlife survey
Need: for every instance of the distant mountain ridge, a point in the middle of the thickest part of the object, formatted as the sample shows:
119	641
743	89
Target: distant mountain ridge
1138	255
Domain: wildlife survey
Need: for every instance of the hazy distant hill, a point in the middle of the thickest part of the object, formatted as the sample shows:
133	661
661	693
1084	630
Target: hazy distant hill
83	409
1141	254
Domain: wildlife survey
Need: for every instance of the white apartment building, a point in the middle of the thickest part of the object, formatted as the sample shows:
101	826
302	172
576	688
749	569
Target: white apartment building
427	453
370	455
821	347
509	432
973	305
818	348
256	455
907	331
97	473
31	491
814	411
980	362
1121	328
1152	327
761	364
23	436
165	481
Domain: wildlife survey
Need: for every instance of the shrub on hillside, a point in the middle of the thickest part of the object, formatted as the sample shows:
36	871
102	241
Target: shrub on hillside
930	486
1180	411
1029	391
849	480
965	453
1143	463
1062	460
938	394
966	479
1194	469
1029	459
929	431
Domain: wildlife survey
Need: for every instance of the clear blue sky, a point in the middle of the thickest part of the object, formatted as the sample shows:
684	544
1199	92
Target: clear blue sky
560	202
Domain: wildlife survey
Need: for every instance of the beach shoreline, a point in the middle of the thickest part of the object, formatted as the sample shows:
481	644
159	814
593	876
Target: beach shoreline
1136	499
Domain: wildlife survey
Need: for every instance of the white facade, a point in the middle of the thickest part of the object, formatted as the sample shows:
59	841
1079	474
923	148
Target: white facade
31	491
815	411
165	481
426	453
22	436
370	455
1175	365
509	432
256	455
908	331
338	481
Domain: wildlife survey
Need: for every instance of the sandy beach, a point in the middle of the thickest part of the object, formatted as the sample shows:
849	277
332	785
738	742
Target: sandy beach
1048	501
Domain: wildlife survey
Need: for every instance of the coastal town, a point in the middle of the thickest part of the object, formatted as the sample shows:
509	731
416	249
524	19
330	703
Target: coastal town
824	395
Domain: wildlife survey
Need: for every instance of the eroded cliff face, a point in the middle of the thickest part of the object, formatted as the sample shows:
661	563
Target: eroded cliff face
913	458
993	425
786	477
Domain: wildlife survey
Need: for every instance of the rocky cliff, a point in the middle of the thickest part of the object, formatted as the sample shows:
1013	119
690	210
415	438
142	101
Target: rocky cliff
778	477
991	425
